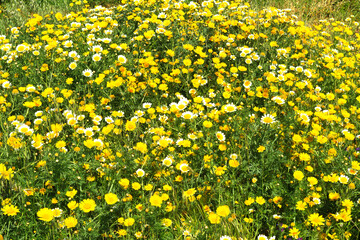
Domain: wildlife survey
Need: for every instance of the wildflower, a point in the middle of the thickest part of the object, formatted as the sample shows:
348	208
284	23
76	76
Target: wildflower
312	181
300	205
188	115
184	167
304	157
260	200
214	218
343	179
277	217
207	124
190	192
72	205
334	196
146	105
316	220
220	136
261	148
129	222
122	232
225	238
347	203
10	210
262	237
70	222
87	205
247	84
230	108
234	163
45	214
71	193
156	200
122	59
21	48
267	119
140	172
96	57
166	222
72	65
187	62
138	235
278	100
57	211
298	175
167	161
87	73
141	147
73	54
130	126
88	132
223	211
294	232
111	198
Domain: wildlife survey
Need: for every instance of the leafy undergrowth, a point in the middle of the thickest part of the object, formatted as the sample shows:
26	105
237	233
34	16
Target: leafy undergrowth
172	120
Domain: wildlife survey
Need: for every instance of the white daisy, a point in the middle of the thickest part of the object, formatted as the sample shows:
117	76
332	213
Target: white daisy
87	73
268	119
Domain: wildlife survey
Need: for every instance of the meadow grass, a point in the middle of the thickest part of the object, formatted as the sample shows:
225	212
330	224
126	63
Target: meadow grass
311	11
16	12
179	120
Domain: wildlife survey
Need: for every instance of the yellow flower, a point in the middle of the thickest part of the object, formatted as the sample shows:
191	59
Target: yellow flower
207	124
347	203
260	200
122	232
261	149
141	147
166	222
10	210
130	126
234	163
111	198
312	181
187	62
124	183
300	205
136	186
214	218
316	220
72	205
71	193
294	232
304	157
156	200
298	175
334	196
87	205
129	222
45	214
190	192
249	201
70	222
223	211
220	170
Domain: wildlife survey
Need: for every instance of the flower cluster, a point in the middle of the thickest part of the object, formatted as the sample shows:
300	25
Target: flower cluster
179	119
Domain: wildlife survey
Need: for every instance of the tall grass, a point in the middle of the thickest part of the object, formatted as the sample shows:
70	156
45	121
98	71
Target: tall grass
312	11
16	12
